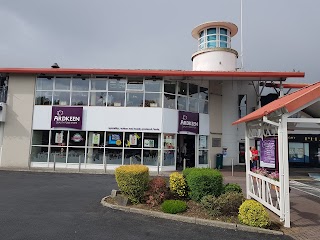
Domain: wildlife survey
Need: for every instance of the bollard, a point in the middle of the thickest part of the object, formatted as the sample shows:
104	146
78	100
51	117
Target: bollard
79	163
184	163
232	167
105	164
54	162
158	166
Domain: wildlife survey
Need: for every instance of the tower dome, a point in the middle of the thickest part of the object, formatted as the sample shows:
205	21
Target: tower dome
214	47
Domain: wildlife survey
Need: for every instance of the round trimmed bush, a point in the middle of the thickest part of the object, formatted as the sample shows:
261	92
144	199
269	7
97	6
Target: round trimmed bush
178	184
173	206
133	181
232	187
203	182
254	214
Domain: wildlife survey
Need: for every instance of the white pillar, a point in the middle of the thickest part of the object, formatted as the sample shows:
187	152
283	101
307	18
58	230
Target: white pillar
247	159
281	173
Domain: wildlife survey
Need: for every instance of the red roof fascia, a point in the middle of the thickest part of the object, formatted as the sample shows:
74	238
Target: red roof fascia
140	72
287	85
291	102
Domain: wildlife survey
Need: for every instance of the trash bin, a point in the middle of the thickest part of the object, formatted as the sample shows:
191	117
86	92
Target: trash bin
219	161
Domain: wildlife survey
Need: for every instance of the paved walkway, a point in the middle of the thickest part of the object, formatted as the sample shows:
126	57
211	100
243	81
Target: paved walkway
305	208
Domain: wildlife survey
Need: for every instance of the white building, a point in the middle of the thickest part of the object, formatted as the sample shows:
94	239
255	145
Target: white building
103	118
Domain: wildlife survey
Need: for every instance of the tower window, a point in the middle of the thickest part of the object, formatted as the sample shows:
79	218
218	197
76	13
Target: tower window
214	38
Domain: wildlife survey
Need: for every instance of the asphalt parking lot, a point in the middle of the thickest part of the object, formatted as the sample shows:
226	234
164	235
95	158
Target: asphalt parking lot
67	206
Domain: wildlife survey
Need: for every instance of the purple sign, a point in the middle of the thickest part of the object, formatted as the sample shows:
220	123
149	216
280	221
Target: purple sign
67	117
268	153
188	122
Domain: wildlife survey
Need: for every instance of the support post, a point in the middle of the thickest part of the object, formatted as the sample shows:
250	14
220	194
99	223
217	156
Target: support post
54	162
184	163
247	159
79	163
232	167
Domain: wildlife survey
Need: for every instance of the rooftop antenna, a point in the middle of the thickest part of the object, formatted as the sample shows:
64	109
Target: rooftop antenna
241	39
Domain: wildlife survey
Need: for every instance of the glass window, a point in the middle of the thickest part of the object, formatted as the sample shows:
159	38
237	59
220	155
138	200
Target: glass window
61	98
62	83
169	101
133	140
211	31
203	142
117	85
114	139
44	84
193	90
95	139
153	86
223	31
59	137
202	46
135	85
151	140
116	99
80	84
223	44
77	138
114	156
98	85
153	100
76	155
43	98
203	156
58	154
169	141
211	38
168	157
223	38
201	33
98	98
212	44
170	87
182	103
182	88
79	98
203	93
95	155
132	156
193	105
40	137
39	154
151	157
134	99
203	107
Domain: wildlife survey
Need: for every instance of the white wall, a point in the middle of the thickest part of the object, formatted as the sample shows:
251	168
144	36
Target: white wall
215	61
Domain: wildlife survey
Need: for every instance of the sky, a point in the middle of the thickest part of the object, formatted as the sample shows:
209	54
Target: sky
278	35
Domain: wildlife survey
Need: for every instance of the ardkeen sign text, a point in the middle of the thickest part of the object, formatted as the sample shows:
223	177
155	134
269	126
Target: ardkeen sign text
188	122
67	117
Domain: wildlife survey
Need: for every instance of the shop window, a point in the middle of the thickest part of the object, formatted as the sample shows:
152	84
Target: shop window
153	100
133	140
43	98
151	157
80	84
61	98
114	139
193	105
135	84
168	158
153	86
95	139
132	156
151	140
58	154
117	85
62	83
193	91
203	149
77	138
170	87
98	98
98	85
203	107
94	156
169	101
182	88
40	137
59	137
169	141
134	99
44	83
76	155
114	156
116	99
182	103
39	154
79	98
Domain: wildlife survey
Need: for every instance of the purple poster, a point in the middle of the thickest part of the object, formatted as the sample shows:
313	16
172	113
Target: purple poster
268	153
188	122
67	117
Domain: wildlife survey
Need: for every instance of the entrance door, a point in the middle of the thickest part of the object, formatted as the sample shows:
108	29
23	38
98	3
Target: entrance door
186	147
242	150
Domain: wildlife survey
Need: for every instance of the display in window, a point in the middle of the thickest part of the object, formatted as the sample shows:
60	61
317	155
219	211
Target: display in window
115	139
59	137
149	143
95	139
202	141
77	137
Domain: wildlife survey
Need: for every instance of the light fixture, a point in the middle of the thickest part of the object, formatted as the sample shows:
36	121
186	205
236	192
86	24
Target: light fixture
55	65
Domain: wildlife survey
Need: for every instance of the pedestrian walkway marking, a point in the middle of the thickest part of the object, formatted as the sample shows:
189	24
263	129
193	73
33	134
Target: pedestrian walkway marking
305	188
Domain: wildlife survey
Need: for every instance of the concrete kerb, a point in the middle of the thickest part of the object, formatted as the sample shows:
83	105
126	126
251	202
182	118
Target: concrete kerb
205	222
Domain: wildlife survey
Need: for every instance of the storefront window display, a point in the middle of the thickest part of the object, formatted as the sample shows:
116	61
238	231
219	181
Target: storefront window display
133	140
113	156
169	145
77	138
114	139
132	156
39	154
203	149
76	155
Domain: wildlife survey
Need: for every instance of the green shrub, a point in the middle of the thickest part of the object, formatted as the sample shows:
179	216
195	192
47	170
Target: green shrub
226	204
253	213
232	187
203	182
173	206
178	184
157	191
186	171
133	181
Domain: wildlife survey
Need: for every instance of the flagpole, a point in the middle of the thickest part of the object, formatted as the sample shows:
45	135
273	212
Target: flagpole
241	38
